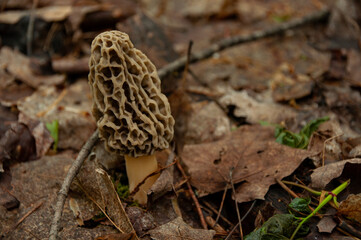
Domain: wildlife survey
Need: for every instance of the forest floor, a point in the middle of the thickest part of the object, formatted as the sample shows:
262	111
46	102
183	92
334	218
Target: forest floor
258	121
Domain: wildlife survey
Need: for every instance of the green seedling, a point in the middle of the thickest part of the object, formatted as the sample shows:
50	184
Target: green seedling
331	195
279	226
53	128
296	140
300	205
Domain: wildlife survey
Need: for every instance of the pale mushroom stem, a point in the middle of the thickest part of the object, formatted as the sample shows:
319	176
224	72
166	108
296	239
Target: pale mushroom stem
138	168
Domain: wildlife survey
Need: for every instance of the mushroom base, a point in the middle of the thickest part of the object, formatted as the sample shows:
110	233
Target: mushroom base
137	170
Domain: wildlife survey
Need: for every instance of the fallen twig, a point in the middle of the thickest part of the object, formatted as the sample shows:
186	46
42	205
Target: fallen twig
30	30
180	63
195	200
63	193
53	104
27	214
245	215
208	205
222	202
236	203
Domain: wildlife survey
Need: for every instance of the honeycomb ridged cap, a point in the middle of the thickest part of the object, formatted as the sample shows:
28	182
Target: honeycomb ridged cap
133	116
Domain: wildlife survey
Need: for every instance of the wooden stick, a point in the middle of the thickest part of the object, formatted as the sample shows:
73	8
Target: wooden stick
235	202
27	214
63	193
195	200
222	202
230	42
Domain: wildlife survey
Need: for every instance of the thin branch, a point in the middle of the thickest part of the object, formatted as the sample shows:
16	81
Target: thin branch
195	200
208	205
244	217
287	189
180	63
63	193
27	214
222	202
30	30
235	201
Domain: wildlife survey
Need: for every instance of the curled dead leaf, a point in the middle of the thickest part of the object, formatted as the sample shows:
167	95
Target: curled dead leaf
177	229
253	153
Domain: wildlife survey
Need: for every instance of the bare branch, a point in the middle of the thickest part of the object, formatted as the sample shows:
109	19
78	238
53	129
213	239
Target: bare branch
63	193
180	63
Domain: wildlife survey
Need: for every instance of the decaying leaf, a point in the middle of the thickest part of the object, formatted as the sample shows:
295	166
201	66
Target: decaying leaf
99	188
74	206
207	123
42	137
256	158
164	183
177	229
70	107
326	224
254	110
323	175
353	67
18	66
351	207
116	236
16	145
287	84
51	13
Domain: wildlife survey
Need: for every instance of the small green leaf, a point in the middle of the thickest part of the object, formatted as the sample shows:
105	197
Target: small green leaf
313	126
53	128
300	205
301	139
279	226
265	123
281	18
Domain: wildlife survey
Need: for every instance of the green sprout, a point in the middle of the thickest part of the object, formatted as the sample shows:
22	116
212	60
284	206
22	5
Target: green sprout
53	128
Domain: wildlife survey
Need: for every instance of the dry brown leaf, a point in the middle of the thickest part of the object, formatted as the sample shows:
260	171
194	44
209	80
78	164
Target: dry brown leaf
49	14
72	112
253	153
18	65
287	84
255	111
116	236
164	183
74	206
99	188
16	145
323	175
326	224
353	67
177	229
351	207
207	123
43	139
112	203
202	8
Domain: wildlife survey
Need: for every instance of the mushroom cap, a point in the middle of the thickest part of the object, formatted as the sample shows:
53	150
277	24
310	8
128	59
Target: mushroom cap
132	114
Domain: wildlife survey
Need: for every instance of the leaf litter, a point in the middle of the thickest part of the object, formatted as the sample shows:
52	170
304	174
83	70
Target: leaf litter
288	79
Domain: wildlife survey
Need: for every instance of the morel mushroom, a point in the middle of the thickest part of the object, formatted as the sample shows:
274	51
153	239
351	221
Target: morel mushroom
133	116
